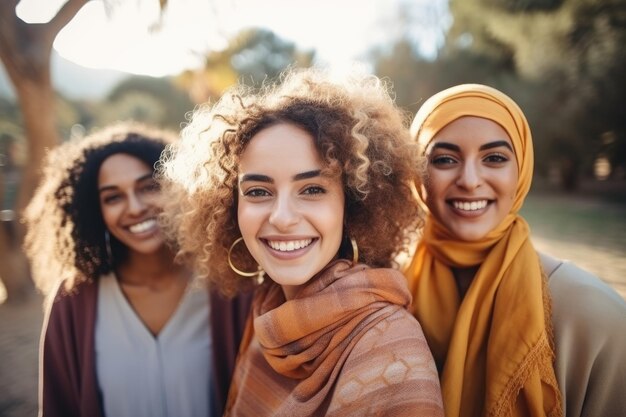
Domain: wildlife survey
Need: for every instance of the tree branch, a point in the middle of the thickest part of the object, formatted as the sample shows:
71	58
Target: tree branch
63	17
8	21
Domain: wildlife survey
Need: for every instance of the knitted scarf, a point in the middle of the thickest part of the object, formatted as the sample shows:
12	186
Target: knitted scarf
308	355
495	345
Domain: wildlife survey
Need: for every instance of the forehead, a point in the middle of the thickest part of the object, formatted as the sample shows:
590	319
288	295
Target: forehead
122	168
468	131
280	147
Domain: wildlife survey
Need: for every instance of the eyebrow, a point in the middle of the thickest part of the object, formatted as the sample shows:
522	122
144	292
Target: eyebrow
456	148
264	178
496	144
114	187
445	145
306	175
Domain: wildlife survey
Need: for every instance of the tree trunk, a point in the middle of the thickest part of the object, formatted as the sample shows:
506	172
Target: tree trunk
25	51
37	107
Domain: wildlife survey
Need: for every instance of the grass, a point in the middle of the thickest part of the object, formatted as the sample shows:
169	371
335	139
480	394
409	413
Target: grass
588	228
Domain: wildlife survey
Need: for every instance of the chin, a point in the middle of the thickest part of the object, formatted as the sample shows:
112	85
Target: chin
149	249
292	278
469	235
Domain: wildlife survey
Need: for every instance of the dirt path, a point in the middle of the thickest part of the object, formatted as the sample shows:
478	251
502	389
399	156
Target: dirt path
19	339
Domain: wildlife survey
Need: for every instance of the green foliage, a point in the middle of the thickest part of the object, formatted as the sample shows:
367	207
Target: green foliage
146	99
132	105
258	54
564	61
524	5
253	56
415	78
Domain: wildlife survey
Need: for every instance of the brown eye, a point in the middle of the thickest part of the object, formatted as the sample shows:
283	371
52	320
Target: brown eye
151	187
313	190
256	192
442	160
111	198
496	158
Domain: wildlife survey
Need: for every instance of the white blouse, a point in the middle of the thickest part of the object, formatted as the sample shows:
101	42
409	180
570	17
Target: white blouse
140	375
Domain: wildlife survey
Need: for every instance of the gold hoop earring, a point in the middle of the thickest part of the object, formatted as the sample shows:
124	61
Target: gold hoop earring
259	273
355	251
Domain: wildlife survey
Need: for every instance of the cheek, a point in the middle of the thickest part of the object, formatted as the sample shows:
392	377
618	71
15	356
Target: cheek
430	191
248	217
509	183
432	179
331	217
154	200
108	215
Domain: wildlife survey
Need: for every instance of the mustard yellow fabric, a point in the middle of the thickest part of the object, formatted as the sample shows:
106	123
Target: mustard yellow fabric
494	347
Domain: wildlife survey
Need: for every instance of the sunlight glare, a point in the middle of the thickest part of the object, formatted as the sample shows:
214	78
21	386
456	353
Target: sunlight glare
129	44
135	37
3	293
37	11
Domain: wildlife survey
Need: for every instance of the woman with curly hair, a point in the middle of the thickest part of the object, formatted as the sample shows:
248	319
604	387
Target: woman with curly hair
514	332
128	331
302	190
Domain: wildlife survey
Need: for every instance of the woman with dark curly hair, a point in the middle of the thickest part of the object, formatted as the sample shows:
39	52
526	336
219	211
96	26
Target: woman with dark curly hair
302	190
128	331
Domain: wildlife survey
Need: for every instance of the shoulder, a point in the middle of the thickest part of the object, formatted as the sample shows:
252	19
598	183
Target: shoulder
589	321
578	295
83	290
77	301
588	316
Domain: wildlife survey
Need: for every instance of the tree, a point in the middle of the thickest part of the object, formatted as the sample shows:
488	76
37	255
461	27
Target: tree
253	56
25	51
156	101
416	78
574	48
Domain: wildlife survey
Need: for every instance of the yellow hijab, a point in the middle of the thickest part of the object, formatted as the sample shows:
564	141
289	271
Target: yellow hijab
495	345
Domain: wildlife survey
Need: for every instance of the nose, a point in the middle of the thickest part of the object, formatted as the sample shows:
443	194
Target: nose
284	214
136	205
470	176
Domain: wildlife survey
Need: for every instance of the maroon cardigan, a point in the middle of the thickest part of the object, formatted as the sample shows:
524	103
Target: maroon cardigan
67	383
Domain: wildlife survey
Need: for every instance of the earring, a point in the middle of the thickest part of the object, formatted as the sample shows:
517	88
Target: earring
107	246
355	251
259	273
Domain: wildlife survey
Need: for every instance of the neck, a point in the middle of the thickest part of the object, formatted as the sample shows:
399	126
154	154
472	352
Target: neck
290	291
152	269
463	278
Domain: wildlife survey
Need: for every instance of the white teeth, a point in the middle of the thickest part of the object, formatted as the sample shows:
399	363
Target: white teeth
143	226
470	206
290	245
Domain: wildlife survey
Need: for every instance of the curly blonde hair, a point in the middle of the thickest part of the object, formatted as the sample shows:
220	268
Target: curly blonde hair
65	228
359	133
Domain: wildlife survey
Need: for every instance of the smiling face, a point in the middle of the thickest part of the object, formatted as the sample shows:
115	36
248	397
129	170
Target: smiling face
128	194
289	214
472	177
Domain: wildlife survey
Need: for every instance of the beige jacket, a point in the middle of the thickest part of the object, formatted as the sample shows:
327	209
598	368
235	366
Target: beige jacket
589	320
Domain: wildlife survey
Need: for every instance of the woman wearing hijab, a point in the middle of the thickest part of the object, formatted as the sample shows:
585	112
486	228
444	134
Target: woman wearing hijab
513	332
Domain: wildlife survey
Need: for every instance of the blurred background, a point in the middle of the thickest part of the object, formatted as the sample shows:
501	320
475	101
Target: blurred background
71	66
